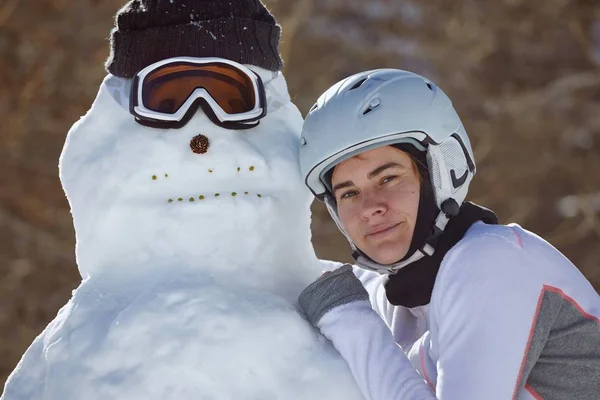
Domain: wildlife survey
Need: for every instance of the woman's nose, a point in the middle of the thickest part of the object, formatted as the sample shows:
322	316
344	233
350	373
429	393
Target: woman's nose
373	206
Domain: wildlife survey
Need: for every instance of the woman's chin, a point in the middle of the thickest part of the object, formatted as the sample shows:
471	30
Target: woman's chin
387	256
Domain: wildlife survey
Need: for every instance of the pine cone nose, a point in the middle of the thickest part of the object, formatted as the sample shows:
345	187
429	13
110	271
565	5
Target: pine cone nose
199	144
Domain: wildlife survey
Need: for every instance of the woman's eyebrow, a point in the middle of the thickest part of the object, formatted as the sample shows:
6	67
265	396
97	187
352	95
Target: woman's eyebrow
382	168
342	185
371	175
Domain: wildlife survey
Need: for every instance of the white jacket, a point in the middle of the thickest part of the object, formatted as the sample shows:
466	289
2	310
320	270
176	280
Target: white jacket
510	318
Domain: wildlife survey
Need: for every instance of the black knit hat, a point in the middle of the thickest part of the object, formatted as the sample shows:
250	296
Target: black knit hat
148	31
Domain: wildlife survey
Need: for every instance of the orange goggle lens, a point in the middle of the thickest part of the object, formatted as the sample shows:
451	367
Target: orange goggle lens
167	88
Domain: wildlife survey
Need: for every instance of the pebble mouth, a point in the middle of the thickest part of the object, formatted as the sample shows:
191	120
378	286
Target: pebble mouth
202	197
205	196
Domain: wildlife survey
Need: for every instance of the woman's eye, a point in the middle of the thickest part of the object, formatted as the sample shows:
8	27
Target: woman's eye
388	179
348	194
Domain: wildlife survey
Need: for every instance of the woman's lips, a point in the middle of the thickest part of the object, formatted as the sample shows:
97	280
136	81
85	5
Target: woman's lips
381	230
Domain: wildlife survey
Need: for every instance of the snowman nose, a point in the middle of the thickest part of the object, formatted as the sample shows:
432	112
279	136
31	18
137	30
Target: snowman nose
199	144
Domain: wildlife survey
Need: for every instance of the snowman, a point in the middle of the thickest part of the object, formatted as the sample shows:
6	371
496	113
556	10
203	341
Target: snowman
191	220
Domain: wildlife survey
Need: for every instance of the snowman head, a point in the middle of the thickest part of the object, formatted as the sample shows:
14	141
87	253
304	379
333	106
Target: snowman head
146	196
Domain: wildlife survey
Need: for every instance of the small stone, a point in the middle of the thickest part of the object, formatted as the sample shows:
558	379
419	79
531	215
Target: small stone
233	193
199	144
210	171
192	199
166	175
259	195
217	194
201	197
245	192
251	168
153	177
239	169
170	200
180	199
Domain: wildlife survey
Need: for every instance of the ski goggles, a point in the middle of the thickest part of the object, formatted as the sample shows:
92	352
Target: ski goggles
166	94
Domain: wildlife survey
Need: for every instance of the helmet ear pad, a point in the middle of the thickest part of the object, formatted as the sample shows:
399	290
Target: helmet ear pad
451	170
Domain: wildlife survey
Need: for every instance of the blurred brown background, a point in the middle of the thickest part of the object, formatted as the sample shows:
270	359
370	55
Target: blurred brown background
524	76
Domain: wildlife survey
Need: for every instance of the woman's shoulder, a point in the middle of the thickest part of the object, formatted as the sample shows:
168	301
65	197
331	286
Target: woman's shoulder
497	265
482	239
479	234
494	251
503	254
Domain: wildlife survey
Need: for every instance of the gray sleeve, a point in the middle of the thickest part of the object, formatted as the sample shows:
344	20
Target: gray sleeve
331	290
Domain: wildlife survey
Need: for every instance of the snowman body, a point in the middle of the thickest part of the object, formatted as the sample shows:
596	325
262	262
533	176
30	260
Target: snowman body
191	261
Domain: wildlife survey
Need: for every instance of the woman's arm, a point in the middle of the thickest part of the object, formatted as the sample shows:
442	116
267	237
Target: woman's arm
378	364
339	306
373	282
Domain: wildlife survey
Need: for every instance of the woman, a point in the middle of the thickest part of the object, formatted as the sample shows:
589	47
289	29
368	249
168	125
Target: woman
444	302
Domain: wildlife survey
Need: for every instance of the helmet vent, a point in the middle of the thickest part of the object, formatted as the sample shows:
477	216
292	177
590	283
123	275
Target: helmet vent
372	105
429	86
313	108
357	84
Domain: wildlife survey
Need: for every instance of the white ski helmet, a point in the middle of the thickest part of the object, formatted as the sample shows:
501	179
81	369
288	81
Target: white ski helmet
384	107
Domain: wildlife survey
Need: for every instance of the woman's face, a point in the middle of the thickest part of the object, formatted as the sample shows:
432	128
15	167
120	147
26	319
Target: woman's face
377	194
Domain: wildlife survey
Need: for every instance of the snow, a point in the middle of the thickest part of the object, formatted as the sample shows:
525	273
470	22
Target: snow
185	299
